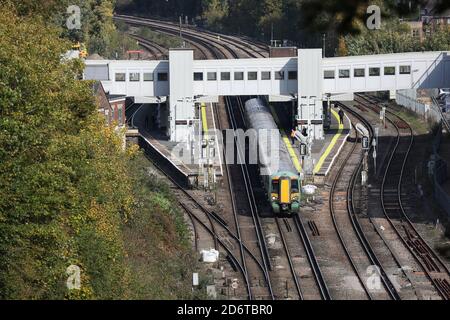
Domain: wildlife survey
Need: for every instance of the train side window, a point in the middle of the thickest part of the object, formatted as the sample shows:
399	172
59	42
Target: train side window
389	71
344	73
238	76
405	69
292	75
134	76
279	75
374	72
211	76
328	74
148	76
163	76
120	77
252	75
198	76
359	72
265	75
294	185
225	76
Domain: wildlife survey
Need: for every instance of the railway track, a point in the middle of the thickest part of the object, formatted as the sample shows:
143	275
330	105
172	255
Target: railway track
345	219
394	208
217	228
241	176
306	242
285	235
222	51
157	51
296	242
251	266
231	47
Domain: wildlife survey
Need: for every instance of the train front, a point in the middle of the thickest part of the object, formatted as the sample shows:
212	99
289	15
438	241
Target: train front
285	193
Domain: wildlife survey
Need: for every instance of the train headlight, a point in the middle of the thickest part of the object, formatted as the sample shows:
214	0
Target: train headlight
295	198
274	198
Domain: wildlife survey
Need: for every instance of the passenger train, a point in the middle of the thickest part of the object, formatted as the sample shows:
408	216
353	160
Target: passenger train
281	182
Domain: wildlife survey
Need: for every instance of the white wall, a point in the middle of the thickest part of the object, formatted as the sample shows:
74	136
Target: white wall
428	70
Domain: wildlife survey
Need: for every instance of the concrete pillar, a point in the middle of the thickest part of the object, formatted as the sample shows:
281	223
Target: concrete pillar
310	92
181	100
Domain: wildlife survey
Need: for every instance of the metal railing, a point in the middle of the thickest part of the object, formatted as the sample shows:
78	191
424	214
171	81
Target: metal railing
408	99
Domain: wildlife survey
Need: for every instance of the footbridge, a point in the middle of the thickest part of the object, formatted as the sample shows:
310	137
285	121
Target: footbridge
308	80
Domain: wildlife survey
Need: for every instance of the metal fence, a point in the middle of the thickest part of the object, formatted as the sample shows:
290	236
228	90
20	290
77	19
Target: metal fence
408	99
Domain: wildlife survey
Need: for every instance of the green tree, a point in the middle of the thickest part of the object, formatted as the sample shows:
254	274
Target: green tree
56	180
215	12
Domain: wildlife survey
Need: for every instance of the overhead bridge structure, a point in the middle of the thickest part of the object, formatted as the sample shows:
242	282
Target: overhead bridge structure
309	80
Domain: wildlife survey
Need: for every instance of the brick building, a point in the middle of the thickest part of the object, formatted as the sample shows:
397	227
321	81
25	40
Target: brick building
112	107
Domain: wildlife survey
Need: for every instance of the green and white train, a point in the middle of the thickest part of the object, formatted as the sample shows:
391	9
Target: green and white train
280	179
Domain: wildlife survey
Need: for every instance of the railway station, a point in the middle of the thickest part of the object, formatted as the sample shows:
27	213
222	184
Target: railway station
174	90
225	150
340	179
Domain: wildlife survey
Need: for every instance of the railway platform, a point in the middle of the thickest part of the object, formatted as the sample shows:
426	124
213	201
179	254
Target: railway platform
158	146
195	162
323	152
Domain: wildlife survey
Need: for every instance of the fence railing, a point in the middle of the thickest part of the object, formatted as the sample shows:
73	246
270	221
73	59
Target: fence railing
408	99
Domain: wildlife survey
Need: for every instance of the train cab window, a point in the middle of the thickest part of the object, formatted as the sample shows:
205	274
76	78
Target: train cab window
292	75
134	76
163	76
344	73
265	75
148	76
225	76
279	75
359	72
294	186
211	76
275	185
252	75
374	72
328	74
405	69
389	71
198	76
238	76
120	77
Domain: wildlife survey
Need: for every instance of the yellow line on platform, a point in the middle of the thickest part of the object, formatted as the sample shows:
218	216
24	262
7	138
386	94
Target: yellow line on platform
287	142
331	145
204	120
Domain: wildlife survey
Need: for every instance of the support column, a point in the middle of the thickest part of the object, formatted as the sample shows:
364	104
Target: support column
310	92
181	100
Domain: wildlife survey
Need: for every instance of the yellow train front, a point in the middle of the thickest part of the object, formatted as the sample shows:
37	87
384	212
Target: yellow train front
284	192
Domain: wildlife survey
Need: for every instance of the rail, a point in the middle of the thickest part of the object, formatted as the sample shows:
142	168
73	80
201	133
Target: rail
425	256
